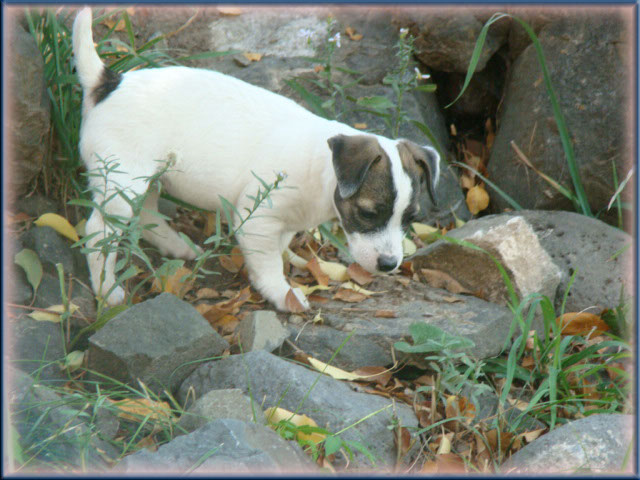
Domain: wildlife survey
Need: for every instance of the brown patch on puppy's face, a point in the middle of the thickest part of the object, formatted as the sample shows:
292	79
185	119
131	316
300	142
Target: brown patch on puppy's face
365	194
422	165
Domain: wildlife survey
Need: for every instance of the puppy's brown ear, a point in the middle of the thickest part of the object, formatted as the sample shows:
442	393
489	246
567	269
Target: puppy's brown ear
428	159
352	159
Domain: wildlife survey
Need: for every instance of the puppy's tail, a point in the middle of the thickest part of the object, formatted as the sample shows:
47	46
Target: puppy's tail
88	63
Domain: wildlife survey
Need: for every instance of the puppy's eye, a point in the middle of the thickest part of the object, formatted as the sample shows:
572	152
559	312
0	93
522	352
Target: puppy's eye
367	214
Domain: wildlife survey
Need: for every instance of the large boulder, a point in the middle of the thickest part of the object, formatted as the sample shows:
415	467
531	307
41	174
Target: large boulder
28	108
595	444
590	66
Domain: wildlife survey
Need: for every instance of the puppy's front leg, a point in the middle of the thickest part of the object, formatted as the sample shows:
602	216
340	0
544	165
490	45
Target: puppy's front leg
262	245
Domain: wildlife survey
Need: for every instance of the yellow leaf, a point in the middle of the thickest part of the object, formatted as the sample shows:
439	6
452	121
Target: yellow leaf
477	199
309	289
80	227
274	415
357	288
425	232
334	372
336	271
445	445
252	56
360	126
73	360
174	283
138	409
59	224
408	247
53	313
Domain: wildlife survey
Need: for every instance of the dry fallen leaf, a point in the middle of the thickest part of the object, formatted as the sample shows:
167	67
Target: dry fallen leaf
360	126
351	33
277	414
292	302
205	293
379	375
53	313
359	274
213	313
440	279
402	439
408	247
336	271
477	199
252	56
175	283
385	314
59	224
138	409
316	270
581	323
349	296
334	372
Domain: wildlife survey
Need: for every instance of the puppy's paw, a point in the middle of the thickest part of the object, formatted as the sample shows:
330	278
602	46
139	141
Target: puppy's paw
116	297
295	301
184	251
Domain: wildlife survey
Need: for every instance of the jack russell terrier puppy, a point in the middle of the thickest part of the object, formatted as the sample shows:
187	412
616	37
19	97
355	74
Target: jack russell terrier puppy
217	130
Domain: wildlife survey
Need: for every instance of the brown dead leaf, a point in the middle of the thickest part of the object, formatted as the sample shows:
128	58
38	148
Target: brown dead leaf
385	314
581	323
318	68
466	181
379	375
138	409
253	56
440	279
292	302
210	224
110	23
359	274
360	126
316	270
349	296
206	293
228	264
351	33
451	299
215	312
148	442
406	268
477	199
494	440
402	440
429	466
226	325
174	283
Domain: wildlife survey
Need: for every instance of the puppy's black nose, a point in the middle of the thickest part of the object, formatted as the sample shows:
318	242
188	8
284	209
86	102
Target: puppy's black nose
386	263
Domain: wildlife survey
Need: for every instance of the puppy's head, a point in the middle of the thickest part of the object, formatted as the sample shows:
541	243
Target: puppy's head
378	185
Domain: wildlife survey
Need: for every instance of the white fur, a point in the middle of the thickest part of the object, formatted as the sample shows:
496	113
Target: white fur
217	130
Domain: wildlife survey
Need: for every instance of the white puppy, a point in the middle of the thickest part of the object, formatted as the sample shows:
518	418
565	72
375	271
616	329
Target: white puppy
217	130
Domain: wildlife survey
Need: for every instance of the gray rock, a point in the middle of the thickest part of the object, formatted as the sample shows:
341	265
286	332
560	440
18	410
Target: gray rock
35	205
29	128
371	343
331	403
230	403
589	247
157	341
595	444
224	446
445	41
52	248
273	31
37	348
56	424
261	330
589	65
512	241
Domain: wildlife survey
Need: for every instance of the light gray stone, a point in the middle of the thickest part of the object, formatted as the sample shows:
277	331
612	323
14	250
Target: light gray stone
230	403
331	403
224	446
512	241
157	341
595	444
261	330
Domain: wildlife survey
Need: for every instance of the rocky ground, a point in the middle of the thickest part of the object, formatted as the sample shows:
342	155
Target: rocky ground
219	356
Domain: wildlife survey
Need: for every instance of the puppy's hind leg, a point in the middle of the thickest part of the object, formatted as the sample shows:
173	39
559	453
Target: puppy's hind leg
162	235
105	235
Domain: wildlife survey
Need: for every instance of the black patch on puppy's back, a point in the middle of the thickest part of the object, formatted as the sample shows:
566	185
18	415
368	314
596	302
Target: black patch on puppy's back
109	81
